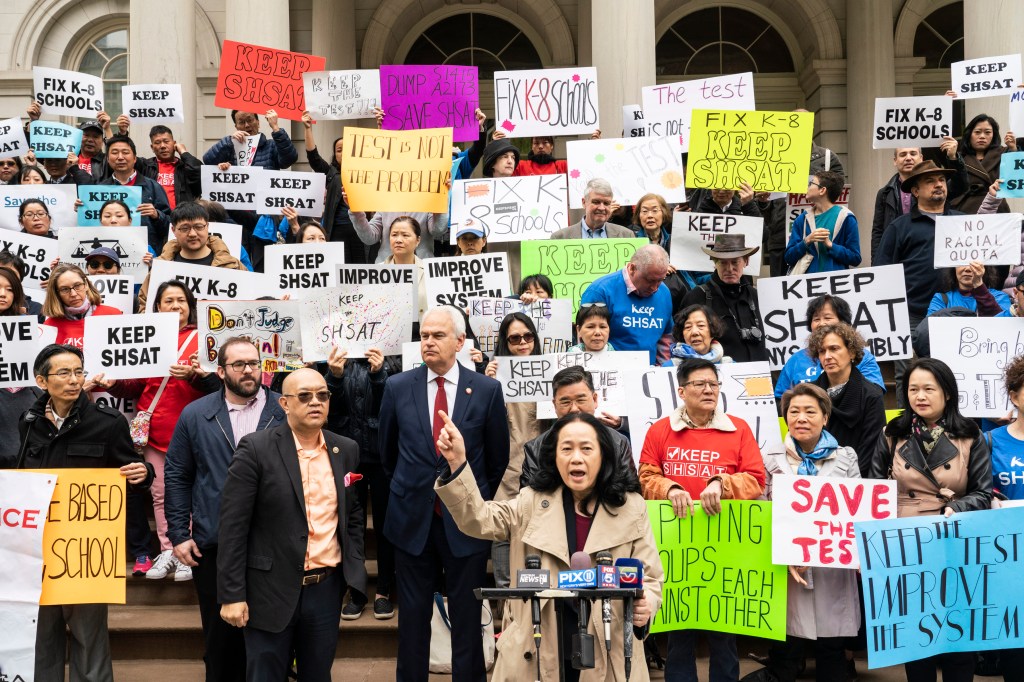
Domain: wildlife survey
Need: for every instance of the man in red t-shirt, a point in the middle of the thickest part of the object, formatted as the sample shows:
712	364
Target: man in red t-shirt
173	168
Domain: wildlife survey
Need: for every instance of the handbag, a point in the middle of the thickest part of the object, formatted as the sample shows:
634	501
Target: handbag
800	267
441	636
140	423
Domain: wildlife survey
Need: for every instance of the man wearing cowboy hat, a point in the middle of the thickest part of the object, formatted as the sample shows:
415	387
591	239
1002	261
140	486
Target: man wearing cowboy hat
732	296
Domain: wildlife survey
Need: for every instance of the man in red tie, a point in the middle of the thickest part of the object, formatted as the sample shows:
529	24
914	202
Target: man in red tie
427	541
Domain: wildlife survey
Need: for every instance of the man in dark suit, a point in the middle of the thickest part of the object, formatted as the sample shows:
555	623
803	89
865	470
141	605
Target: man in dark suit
426	539
291	537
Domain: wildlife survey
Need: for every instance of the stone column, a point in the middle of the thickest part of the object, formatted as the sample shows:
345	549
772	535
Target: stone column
162	49
334	37
989	31
622	49
260	22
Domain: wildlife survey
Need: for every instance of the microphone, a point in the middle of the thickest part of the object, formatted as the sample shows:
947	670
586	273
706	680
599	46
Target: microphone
535	577
608	576
581	574
582	641
631	575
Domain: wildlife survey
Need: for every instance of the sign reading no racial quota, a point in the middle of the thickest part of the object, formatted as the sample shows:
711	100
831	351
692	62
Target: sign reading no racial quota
59	201
992	239
911	121
546	102
1016	114
206	282
633	166
510	209
254	78
271	326
986	76
67	93
245	151
129	243
301	269
152	104
667	108
436	96
551	316
340	95
453	281
12	139
691	231
877	297
572	265
131	346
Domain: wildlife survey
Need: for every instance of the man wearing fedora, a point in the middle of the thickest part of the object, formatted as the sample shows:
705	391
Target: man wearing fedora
732	296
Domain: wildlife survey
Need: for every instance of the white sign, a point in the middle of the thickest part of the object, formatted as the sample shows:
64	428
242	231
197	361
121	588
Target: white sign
117	291
271	326
634	167
607	369
245	150
546	102
131	346
413	358
207	282
67	93
985	76
37	252
993	239
552	317
1016	111
21	338
301	269
59	199
357	317
129	243
526	378
510	209
302	191
453	281
129	407
691	231
234	189
978	349
152	104
341	95
667	108
229	233
12	139
911	121
877	297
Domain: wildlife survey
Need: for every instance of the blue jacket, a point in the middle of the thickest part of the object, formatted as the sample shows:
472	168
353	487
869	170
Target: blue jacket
277	156
950	299
801	367
845	251
197	465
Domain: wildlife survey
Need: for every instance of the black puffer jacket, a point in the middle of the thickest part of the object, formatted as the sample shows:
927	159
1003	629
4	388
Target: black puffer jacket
355	403
736	304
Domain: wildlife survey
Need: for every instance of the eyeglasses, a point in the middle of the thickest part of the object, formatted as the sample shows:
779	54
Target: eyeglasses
102	264
566	403
185	229
66	373
12	164
77	288
517	339
701	384
812	182
307	396
242	365
650	211
35	214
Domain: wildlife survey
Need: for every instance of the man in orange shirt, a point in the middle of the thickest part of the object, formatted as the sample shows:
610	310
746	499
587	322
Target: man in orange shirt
291	537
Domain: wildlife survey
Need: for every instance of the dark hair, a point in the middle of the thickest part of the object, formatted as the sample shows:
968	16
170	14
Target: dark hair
589	310
17	291
123	139
415	224
189	297
550	139
119	203
189	210
13	261
215	210
41	367
538	280
571	376
25	170
832	182
851	338
160	130
334	157
948	281
501	348
839	306
715	325
308	225
810	390
613	481
1013	375
222	352
688	366
957	426
235	112
965	140
21	209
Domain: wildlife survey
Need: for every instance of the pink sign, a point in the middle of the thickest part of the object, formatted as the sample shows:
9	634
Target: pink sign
418	97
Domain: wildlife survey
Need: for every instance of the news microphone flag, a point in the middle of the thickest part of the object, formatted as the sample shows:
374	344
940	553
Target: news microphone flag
631	572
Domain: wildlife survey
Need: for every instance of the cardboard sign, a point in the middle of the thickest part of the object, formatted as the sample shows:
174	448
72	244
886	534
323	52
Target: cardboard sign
1016	111
718	570
357	317
254	79
551	316
129	243
453	281
83	539
152	104
301	269
986	76
271	326
634	167
116	291
67	93
877	297
131	346
608	370
389	170
978	349
425	97
934	585
37	252
511	209
12	139
340	95
235	188
796	203
94	196
669	106
691	231
20	342
302	191
572	265
1011	170
207	282
911	121
229	233
813	516
50	140
245	151
412	358
992	239
769	150
546	102
527	378
59	200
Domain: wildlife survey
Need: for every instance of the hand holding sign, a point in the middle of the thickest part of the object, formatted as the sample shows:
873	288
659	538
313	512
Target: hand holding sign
681	501
450	443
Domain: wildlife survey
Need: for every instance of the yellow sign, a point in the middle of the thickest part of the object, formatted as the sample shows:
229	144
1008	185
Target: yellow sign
397	170
83	540
769	150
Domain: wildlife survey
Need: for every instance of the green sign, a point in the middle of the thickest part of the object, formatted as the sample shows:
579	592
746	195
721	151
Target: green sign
573	264
718	570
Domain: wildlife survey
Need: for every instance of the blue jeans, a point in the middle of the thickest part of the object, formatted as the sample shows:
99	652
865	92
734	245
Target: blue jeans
681	661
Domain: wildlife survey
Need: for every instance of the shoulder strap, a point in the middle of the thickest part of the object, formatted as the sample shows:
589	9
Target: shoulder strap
840	219
828	159
945	299
163	384
988	440
892	456
809	221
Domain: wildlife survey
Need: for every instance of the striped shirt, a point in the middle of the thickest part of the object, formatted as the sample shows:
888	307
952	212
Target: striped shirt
246	418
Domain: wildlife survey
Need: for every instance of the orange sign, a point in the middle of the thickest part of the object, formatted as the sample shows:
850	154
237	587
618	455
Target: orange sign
254	79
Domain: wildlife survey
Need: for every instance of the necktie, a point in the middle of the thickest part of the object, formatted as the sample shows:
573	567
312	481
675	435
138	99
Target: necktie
440	403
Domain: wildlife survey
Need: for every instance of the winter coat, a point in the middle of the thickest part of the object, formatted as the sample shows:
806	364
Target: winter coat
737	305
222	258
706	204
276	155
980	175
523	427
355	404
187	182
858	416
845	251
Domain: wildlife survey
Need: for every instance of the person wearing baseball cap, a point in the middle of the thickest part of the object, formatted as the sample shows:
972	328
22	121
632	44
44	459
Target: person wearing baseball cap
91	158
471	238
103	261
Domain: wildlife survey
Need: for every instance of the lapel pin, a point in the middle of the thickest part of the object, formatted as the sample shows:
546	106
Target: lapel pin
335	449
469	391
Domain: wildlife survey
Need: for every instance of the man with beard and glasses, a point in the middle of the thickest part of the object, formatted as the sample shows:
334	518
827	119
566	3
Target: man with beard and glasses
197	464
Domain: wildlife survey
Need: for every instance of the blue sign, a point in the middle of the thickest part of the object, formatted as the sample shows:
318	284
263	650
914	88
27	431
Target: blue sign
94	196
1011	170
935	585
50	140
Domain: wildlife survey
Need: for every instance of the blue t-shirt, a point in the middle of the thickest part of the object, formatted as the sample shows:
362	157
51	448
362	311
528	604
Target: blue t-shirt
637	323
1007	463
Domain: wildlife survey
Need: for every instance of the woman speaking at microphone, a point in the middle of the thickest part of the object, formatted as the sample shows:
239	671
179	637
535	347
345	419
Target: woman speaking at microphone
579	500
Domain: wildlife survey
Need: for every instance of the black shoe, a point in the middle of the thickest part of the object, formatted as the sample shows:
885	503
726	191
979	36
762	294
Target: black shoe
851	667
352	611
383	608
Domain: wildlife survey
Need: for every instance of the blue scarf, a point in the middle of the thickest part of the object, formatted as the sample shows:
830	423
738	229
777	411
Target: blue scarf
685	350
826	445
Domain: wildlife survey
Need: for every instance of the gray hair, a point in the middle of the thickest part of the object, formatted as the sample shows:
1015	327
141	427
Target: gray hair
454	314
648	255
598	186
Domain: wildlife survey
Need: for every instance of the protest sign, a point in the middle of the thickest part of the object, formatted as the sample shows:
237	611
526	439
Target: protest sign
551	316
26	497
691	231
396	170
302	191
235	188
301	269
935	585
718	570
59	200
877	297
94	196
152	104
546	102
83	539
67	93
413	358
245	150
985	76
339	95
670	105
607	369
633	166
116	291
229	233
437	96
510	209
573	264
129	407
796	203
20	341
271	326
453	281
357	317
1016	111
978	349
129	243
12	139
911	121
1011	171
131	346
37	252
634	124
992	239
813	516
206	282
254	78
769	150
526	378
50	140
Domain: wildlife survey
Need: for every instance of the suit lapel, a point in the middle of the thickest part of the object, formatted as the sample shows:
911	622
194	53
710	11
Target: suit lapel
546	529
338	468
290	458
462	396
419	395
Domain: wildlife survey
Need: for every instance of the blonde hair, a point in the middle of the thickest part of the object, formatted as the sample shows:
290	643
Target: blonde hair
53	306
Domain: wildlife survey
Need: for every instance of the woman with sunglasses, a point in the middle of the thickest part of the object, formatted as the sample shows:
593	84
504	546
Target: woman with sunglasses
70	298
593	325
34	217
9	170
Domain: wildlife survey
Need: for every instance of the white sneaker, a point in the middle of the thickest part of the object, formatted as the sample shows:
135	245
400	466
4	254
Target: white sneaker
181	572
162	566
